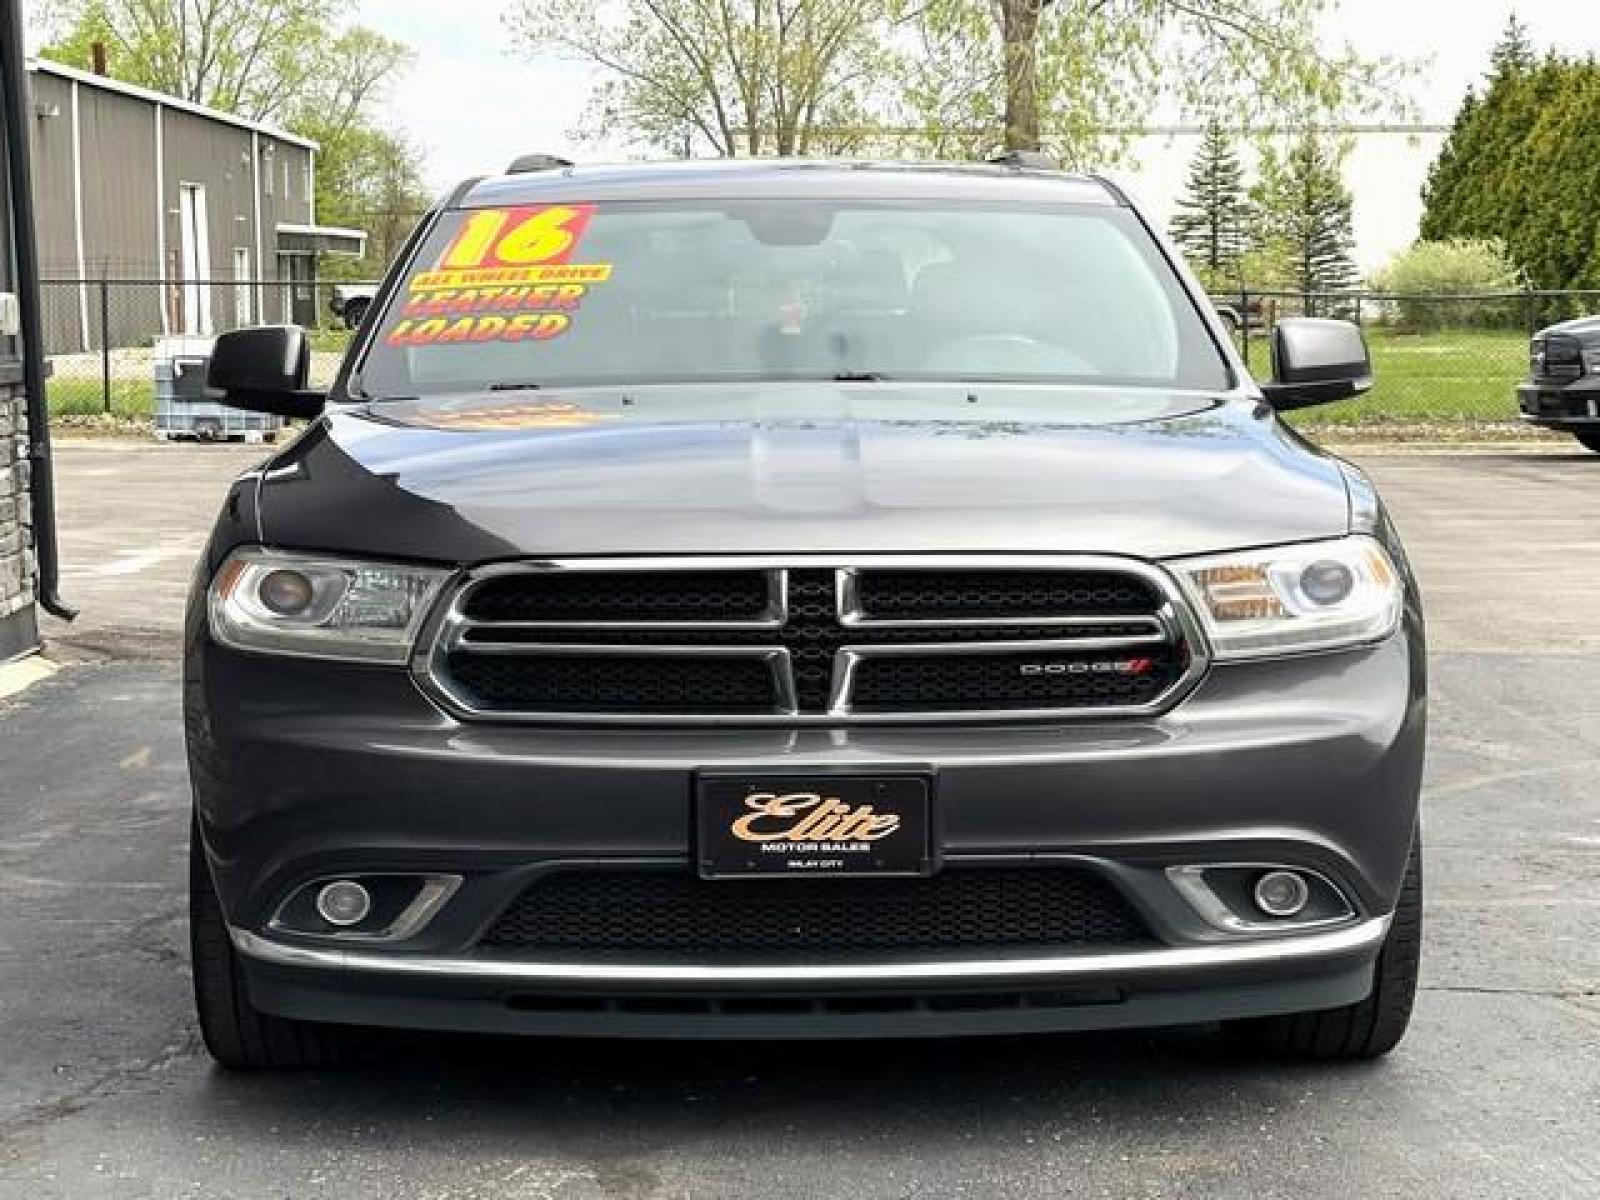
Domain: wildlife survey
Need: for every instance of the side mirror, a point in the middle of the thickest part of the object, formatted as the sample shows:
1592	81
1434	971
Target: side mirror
265	370
1315	361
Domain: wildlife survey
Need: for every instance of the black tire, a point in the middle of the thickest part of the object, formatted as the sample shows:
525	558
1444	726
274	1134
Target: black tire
1370	1028
1589	441
354	310
236	1034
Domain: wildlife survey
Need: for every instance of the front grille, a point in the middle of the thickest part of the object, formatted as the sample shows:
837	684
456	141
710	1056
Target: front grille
875	640
671	914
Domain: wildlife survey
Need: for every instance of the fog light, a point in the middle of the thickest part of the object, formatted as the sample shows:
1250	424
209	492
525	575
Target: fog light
343	902
1281	894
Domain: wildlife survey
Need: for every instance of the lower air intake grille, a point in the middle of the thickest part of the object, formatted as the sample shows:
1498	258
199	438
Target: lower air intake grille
671	914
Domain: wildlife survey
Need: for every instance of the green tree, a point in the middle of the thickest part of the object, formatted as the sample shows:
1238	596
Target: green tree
369	179
1307	213
1521	166
1213	220
1514	52
732	76
1055	74
1427	274
1460	196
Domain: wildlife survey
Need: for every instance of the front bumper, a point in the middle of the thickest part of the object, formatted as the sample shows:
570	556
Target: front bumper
1167	986
305	769
1570	406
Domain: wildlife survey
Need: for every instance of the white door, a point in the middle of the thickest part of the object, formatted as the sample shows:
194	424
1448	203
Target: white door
194	241
286	292
241	286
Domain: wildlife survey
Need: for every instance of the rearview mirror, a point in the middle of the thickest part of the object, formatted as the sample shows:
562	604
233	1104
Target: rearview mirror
1315	361
265	369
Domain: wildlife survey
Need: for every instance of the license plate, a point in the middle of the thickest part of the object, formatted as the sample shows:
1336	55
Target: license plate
813	825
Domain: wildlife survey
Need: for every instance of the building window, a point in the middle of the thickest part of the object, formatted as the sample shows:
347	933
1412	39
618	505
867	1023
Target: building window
267	166
286	193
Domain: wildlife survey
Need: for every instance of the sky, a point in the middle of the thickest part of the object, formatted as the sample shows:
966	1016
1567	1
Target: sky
474	101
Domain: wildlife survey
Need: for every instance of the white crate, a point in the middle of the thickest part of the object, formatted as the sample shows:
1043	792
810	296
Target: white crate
186	408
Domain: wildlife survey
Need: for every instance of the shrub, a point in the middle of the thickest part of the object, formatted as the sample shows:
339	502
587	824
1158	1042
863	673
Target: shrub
1457	267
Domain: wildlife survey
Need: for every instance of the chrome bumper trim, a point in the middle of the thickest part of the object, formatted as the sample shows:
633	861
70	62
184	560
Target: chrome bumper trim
1363	936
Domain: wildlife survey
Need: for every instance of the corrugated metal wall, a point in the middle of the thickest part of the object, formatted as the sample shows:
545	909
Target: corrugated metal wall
116	136
128	234
54	220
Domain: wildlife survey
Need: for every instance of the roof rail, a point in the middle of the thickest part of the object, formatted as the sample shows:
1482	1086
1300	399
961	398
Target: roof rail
455	195
1032	160
1110	185
526	164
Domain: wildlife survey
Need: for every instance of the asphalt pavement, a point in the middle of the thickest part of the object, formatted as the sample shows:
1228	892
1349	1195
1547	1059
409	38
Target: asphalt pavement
105	1091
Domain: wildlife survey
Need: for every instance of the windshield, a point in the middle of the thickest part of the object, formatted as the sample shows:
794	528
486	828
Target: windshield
641	293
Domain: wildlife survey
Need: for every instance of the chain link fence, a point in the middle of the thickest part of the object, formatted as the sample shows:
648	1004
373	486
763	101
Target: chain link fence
102	335
1437	359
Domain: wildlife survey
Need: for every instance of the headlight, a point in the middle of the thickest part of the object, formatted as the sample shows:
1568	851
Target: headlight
321	607
1291	599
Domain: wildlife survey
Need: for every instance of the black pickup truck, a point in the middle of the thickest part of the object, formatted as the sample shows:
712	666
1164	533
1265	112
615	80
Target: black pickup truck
1563	389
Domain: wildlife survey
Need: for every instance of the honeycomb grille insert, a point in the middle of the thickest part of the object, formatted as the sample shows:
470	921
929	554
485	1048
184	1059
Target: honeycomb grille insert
890	595
581	596
675	916
604	683
1034	680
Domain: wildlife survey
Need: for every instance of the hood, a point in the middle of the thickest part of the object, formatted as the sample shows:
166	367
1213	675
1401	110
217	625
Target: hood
800	468
1578	327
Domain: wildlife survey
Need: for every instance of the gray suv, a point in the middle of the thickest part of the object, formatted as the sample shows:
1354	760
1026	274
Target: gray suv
788	599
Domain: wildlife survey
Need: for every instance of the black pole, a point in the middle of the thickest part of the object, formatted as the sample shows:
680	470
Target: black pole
1244	321
19	180
105	344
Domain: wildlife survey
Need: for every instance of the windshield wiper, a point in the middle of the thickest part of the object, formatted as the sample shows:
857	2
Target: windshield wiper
860	377
515	387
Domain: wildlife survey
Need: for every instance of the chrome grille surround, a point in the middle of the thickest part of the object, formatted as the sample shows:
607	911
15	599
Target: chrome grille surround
449	629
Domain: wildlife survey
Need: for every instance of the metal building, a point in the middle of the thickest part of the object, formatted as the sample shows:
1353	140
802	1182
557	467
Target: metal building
134	185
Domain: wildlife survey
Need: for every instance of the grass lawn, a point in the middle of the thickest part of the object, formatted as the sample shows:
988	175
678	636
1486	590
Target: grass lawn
131	399
1452	375
76	389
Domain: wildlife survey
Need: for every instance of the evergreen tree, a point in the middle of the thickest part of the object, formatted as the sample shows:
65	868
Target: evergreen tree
1465	185
1307	213
1522	165
1514	53
1213	221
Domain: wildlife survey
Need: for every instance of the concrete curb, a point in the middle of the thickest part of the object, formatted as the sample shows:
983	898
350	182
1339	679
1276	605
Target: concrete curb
19	676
